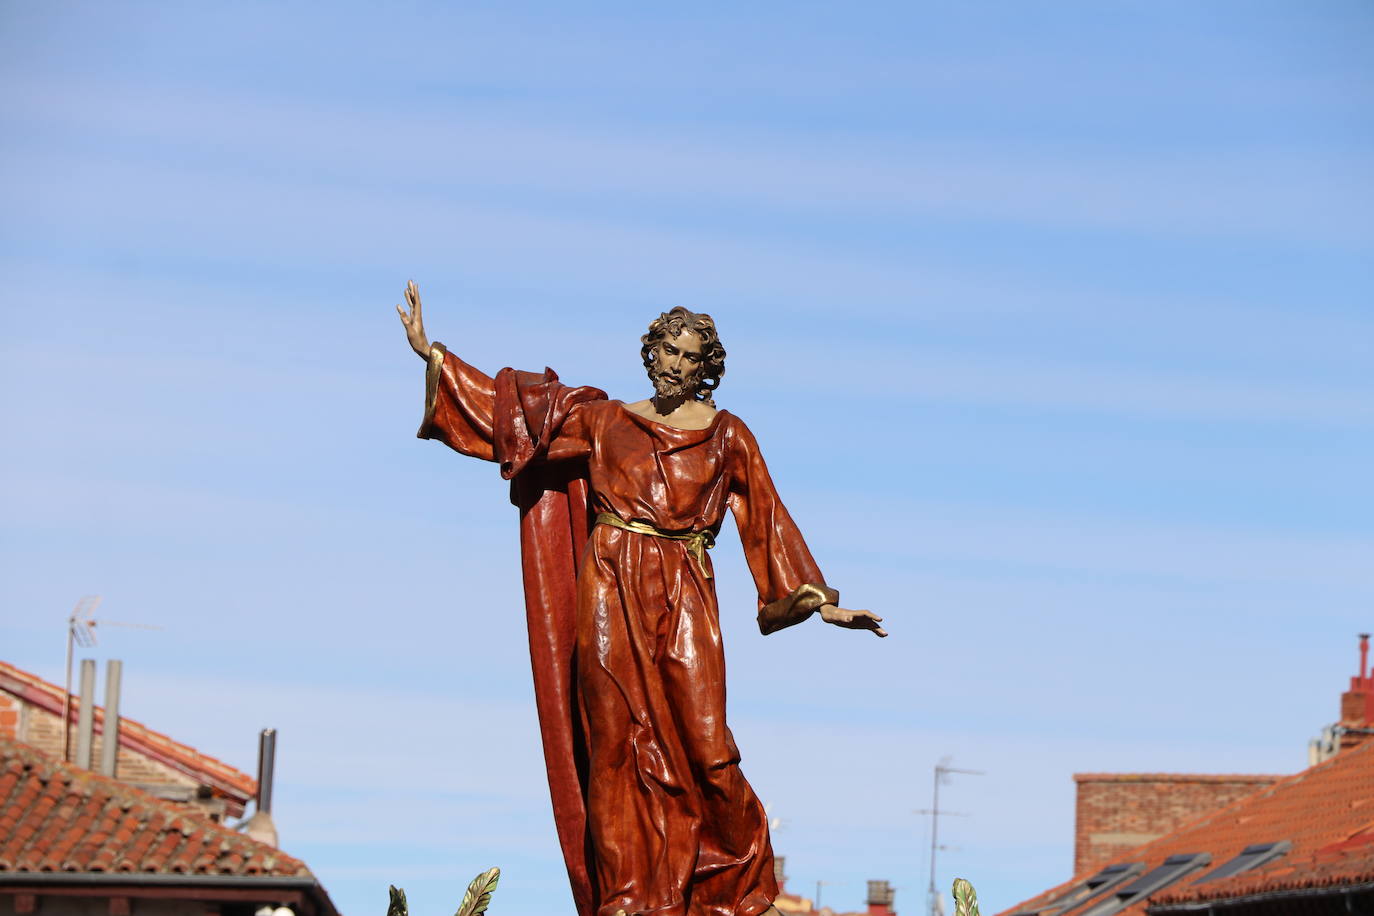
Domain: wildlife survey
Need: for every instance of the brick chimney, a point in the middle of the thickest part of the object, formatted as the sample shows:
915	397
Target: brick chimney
1357	703
880	894
1117	812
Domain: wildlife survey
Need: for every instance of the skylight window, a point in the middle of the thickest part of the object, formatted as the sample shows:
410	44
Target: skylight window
1083	891
1250	857
1174	869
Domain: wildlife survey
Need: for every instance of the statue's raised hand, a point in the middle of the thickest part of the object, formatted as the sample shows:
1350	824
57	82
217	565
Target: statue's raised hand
414	323
852	620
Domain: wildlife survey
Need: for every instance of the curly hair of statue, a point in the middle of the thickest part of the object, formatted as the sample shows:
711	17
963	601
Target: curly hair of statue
672	323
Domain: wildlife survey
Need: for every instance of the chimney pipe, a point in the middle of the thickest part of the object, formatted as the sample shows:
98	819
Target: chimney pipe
1366	680
109	746
85	726
260	826
267	755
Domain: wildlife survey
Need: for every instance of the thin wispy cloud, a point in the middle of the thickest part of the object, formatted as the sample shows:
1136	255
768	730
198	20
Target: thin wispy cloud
1238	193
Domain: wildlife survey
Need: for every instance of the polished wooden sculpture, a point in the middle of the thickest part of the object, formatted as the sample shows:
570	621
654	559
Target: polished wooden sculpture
618	506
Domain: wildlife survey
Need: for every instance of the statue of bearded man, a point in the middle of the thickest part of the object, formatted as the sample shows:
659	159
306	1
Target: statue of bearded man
619	503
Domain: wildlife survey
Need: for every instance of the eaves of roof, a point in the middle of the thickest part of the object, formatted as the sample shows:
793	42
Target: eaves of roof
56	818
305	894
1178	908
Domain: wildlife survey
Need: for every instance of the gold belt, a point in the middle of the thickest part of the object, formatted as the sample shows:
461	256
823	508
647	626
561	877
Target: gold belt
698	542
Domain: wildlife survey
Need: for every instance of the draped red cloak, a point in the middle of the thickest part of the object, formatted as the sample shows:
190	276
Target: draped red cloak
653	814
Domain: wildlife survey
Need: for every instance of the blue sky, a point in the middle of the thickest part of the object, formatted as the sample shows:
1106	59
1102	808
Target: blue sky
1053	320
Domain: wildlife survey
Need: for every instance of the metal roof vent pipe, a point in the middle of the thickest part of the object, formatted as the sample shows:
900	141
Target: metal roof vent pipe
260	826
109	742
85	723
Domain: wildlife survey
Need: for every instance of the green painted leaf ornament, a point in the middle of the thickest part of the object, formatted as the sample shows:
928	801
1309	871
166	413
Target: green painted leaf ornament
965	900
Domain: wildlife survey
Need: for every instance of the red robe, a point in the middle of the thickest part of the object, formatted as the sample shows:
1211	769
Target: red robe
653	814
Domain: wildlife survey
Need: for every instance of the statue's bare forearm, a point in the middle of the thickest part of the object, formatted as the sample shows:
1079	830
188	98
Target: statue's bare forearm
852	619
414	321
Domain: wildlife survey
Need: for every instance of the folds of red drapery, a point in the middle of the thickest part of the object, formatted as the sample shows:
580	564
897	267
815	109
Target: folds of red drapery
555	521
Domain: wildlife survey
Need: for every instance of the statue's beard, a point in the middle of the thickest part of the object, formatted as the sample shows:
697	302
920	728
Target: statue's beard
665	387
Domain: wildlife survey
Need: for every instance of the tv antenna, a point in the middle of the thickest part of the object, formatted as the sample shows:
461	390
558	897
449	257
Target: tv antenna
81	632
819	885
935	901
774	823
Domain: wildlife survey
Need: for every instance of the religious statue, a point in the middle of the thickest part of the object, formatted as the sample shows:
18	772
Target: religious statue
618	505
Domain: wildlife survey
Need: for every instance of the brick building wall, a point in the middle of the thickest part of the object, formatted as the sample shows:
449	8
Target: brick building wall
43	730
1355	706
1116	812
9	716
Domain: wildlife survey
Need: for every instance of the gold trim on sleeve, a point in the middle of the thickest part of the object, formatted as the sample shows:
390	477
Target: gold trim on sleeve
795	607
433	370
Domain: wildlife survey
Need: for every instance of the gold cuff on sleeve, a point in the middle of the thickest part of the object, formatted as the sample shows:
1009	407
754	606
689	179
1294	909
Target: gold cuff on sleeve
433	370
796	607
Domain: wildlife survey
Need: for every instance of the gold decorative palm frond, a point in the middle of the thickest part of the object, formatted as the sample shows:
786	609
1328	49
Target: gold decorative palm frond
475	901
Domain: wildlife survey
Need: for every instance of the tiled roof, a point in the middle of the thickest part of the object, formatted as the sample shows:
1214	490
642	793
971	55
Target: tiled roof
1326	812
56	817
1340	864
1336	868
135	736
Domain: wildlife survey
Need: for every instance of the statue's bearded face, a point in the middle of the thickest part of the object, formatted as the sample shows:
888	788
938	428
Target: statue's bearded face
677	364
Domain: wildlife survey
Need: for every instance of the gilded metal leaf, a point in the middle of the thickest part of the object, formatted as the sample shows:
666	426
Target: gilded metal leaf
478	897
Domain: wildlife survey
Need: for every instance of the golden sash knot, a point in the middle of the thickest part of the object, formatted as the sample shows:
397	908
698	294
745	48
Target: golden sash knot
698	542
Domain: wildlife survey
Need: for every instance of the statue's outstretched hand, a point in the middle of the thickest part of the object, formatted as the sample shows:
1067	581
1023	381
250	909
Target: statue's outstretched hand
852	620
414	323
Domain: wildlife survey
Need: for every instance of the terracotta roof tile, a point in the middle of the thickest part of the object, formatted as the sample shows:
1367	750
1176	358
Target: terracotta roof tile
1325	811
135	736
57	817
1176	777
1337	868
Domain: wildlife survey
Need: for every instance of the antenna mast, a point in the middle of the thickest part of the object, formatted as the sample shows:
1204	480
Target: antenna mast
81	632
934	899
